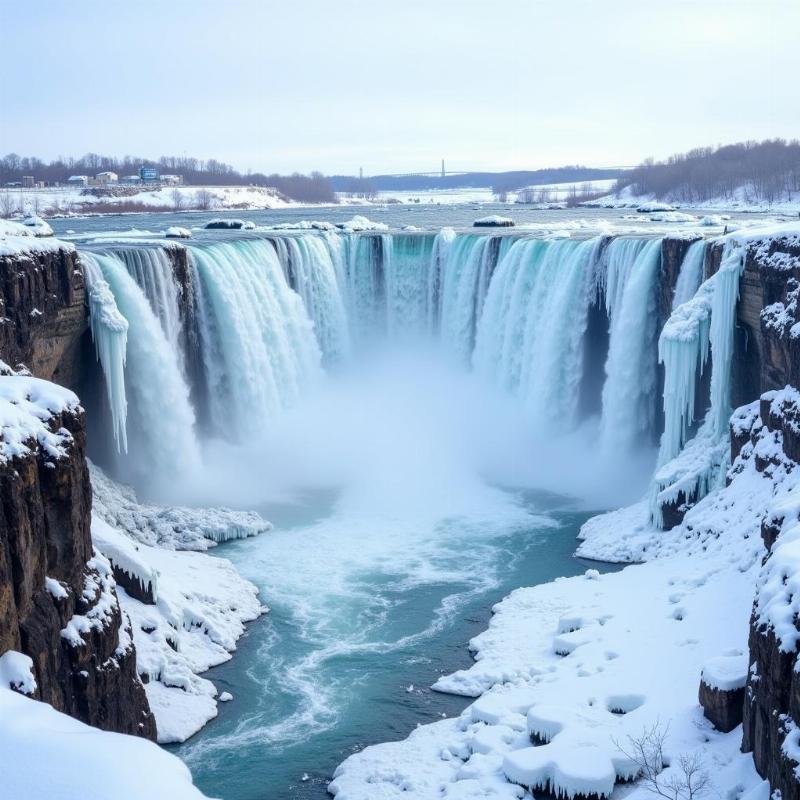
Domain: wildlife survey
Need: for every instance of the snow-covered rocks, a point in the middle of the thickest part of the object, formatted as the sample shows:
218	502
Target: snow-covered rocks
359	223
37	225
493	221
187	621
230	224
16	672
672	217
176	232
172	527
722	685
654	206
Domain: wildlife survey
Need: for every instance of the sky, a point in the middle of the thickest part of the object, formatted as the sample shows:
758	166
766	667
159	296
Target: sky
335	85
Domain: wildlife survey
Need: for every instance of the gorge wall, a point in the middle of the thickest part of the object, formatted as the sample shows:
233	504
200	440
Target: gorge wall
58	604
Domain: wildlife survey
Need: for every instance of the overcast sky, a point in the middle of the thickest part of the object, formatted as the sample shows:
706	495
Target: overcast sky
396	86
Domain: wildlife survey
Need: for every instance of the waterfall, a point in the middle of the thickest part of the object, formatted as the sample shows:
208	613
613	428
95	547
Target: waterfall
110	335
440	252
691	273
631	273
408	294
160	422
152	269
688	472
366	284
257	341
313	266
465	283
530	336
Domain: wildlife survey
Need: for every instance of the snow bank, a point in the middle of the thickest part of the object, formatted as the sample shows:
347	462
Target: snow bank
37	225
672	217
17	239
726	673
46	754
199	611
171	527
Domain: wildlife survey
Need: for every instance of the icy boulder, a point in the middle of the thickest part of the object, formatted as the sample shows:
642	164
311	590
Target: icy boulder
175	232
230	225
359	223
37	225
673	217
722	685
648	208
493	221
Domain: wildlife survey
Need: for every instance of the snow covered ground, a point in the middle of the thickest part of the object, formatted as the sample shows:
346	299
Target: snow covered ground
743	199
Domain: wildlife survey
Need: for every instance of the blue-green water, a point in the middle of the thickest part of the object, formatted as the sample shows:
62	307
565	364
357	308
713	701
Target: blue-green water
362	609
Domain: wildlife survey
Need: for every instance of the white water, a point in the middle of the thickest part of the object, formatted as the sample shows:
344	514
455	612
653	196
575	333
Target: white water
152	269
110	335
160	421
257	341
530	336
629	392
691	273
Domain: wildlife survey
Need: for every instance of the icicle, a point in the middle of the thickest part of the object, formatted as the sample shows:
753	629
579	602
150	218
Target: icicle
110	335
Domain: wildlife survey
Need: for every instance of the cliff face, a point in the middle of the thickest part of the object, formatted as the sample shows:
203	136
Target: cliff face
43	312
58	604
768	356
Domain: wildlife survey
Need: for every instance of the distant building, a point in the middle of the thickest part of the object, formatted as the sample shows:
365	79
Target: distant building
78	180
148	174
130	179
103	178
27	182
172	180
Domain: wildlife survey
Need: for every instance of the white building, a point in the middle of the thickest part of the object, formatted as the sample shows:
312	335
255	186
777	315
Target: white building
78	180
106	177
172	180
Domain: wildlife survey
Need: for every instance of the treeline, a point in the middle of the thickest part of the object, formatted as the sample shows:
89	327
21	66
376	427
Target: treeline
767	171
313	188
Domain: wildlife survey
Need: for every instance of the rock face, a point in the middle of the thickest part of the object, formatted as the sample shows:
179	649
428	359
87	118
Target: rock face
58	604
43	313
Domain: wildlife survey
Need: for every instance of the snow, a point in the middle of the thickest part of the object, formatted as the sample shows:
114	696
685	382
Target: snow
17	239
201	606
672	217
46	754
174	232
26	406
170	527
359	223
228	223
726	673
493	221
16	672
647	208
37	225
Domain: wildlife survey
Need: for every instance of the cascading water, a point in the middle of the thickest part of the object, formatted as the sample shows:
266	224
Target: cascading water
408	292
110	334
440	252
523	343
631	273
313	266
258	344
467	271
365	256
691	273
152	269
160	421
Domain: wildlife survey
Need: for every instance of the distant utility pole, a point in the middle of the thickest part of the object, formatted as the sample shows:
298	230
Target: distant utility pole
443	168
361	173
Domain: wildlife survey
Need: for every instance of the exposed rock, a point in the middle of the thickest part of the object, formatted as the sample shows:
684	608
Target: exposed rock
57	599
42	313
493	221
722	685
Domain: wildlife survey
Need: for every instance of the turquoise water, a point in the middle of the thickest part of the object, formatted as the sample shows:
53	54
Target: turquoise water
357	618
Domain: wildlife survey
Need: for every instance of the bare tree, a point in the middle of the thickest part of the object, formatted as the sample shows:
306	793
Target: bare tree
203	199
646	751
7	205
177	199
